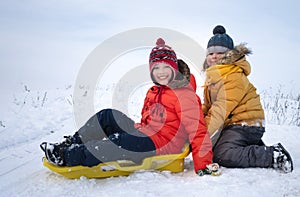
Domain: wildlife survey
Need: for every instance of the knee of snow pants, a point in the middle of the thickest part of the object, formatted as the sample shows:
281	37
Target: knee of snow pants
105	123
113	121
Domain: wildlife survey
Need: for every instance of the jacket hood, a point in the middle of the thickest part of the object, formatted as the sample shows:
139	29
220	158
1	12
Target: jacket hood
183	76
235	56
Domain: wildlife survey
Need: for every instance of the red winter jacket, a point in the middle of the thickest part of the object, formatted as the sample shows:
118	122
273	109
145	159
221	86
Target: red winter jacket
171	117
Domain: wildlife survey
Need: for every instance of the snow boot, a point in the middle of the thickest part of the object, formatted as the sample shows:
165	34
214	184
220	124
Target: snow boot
282	159
54	152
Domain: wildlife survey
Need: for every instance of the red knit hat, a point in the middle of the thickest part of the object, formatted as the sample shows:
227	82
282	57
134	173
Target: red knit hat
163	53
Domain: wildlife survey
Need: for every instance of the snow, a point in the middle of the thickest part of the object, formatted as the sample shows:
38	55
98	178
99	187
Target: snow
34	118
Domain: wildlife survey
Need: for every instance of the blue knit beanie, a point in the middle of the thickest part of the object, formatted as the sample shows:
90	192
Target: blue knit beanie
220	42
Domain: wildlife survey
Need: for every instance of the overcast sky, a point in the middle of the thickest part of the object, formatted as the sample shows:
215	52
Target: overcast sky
44	43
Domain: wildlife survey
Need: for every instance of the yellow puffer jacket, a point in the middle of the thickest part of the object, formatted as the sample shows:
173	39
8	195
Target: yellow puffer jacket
229	97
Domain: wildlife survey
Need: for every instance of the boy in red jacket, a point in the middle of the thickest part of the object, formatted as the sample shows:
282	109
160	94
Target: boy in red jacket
171	117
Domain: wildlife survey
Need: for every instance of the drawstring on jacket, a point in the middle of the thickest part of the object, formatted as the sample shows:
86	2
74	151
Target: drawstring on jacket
158	108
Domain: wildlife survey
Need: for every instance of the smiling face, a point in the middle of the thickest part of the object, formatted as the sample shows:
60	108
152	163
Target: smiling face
213	58
162	73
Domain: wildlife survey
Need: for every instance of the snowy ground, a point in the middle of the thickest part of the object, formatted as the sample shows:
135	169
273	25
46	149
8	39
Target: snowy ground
47	116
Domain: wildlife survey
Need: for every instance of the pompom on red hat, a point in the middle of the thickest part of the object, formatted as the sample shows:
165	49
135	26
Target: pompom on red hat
163	53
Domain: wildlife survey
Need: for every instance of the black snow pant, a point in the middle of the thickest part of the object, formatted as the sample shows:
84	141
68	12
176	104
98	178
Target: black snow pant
109	135
241	147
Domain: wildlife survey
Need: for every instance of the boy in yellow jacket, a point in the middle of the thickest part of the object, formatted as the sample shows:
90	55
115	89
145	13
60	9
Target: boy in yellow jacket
233	111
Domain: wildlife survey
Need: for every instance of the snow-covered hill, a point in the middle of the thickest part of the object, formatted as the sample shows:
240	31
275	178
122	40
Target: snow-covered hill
37	116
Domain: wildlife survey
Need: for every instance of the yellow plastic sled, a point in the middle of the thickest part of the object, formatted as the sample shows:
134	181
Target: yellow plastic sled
171	162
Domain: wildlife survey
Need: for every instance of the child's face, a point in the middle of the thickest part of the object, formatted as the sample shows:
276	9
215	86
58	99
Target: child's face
162	73
213	58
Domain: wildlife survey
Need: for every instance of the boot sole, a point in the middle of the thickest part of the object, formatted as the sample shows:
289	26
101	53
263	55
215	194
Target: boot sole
289	158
